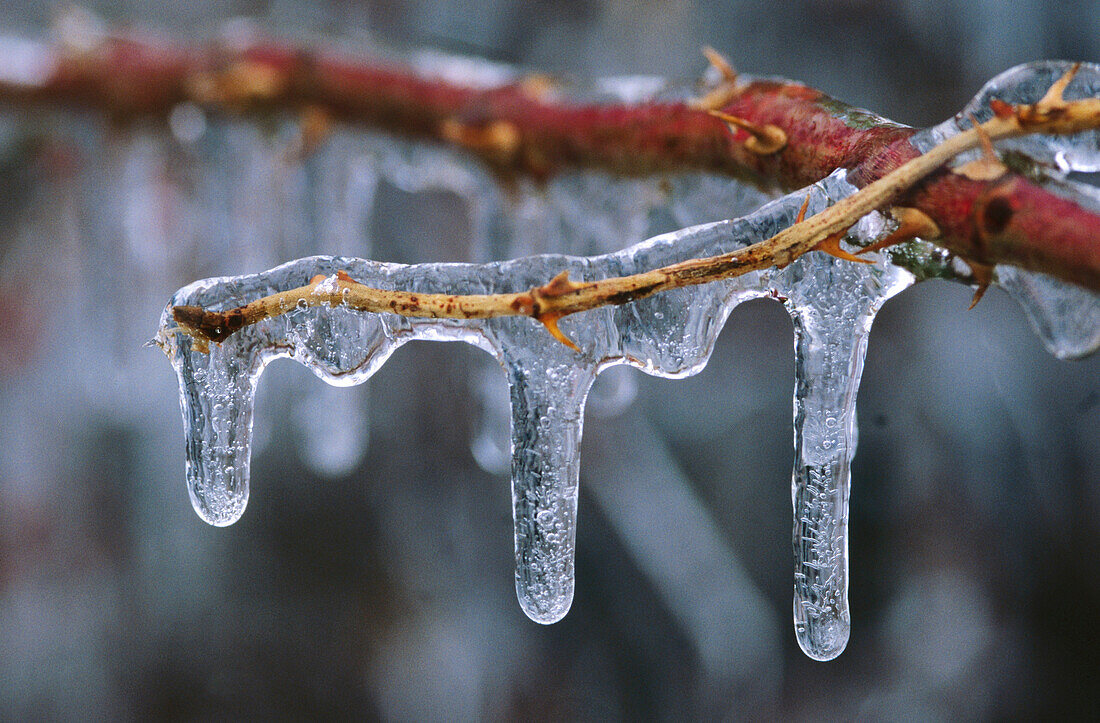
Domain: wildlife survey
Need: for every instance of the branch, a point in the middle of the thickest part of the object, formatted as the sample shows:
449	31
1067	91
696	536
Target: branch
561	297
529	125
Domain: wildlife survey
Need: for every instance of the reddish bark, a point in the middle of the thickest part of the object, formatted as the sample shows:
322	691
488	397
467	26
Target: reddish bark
522	128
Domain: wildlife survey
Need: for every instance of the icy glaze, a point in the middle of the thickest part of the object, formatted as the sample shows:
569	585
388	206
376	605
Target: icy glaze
1065	317
833	304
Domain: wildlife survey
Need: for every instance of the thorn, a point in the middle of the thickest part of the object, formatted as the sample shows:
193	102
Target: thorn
343	276
557	286
987	143
500	139
1051	105
802	211
982	275
314	128
716	98
550	321
989	166
538	86
982	169
727	89
831	245
911	224
720	63
764	140
1053	97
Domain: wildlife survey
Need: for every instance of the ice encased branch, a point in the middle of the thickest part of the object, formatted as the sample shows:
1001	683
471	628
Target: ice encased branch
832	302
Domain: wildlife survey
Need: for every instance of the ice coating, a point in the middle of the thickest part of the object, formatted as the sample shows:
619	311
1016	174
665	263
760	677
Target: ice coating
833	304
1064	316
579	214
1025	84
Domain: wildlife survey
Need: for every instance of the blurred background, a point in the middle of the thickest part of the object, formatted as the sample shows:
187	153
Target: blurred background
374	578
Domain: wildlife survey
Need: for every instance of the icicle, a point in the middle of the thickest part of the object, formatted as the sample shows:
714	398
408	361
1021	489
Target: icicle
695	199
580	214
832	303
218	386
218	390
547	417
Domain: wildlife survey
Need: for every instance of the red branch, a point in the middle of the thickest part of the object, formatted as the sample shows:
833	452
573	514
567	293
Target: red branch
528	126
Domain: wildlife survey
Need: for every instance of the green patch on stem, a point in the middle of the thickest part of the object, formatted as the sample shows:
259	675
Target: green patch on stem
855	118
925	261
1026	166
